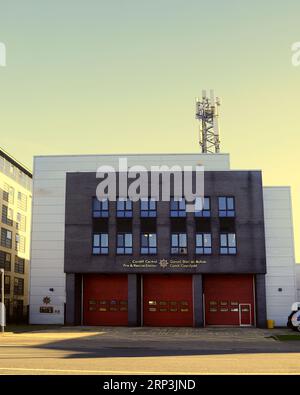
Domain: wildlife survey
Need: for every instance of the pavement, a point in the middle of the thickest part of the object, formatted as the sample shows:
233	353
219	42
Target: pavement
114	350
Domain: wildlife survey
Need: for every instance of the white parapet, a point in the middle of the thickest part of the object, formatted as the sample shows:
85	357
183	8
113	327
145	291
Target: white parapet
281	276
298	281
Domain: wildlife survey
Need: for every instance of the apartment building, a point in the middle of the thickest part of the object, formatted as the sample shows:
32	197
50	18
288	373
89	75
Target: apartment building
15	205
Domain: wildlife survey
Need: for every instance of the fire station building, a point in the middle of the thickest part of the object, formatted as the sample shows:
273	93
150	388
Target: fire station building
154	263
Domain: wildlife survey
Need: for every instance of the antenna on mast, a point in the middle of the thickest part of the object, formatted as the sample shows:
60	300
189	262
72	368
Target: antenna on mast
207	114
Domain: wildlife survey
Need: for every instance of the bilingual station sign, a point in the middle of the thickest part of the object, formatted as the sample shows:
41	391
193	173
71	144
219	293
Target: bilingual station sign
164	263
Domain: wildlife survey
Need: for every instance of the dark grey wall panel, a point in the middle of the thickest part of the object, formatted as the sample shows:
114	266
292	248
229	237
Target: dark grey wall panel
71	299
245	186
198	300
134	300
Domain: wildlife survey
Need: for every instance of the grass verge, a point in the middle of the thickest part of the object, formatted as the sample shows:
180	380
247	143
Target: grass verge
284	338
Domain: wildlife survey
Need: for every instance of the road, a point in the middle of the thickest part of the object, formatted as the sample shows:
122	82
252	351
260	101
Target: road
148	351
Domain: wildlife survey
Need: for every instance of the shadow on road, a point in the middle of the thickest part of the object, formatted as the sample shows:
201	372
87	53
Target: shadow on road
136	342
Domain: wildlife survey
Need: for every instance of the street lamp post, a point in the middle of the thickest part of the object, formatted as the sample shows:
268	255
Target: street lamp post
2	318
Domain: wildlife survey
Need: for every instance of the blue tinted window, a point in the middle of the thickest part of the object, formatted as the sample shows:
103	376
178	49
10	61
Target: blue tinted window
124	208
124	243
100	243
228	243
222	203
148	208
177	208
178	243
100	208
203	243
226	206
202	207
148	243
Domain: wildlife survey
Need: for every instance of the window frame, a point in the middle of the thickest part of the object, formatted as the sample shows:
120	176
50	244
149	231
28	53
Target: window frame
8	193
127	212
202	249
124	247
227	249
20	244
22	201
224	213
103	212
150	249
19	286
9	245
5	215
205	212
147	213
19	264
6	263
176	211
179	246
103	249
21	222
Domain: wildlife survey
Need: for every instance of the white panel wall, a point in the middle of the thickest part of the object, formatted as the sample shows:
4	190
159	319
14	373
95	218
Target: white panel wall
298	281
280	253
48	217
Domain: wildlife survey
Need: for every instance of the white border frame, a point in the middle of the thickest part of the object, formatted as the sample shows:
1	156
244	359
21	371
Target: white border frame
240	314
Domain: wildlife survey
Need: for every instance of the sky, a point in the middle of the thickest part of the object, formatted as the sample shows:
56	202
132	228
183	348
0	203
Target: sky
95	76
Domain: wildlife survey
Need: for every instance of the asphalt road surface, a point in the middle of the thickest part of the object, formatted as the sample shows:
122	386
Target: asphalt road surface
104	350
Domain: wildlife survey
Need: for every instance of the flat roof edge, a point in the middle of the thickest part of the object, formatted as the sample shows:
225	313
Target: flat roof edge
125	154
15	162
277	186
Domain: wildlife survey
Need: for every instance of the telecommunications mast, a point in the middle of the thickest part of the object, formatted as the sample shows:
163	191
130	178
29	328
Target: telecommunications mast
207	114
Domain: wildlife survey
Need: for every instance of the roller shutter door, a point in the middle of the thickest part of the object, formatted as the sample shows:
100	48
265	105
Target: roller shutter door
105	300
168	300
229	300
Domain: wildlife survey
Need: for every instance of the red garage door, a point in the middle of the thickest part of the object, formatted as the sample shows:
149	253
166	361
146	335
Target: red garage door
229	300
168	300
105	299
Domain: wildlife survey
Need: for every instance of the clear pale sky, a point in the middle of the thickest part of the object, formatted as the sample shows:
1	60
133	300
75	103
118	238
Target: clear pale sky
95	76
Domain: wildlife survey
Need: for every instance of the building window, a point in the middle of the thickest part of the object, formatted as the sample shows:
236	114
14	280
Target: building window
18	307
177	208
226	206
124	243
20	243
8	193
100	208
148	243
100	243
19	265
178	243
124	208
228	243
202	207
22	201
148	208
7	215
6	238
5	261
18	286
7	285
21	222
203	243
